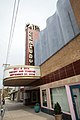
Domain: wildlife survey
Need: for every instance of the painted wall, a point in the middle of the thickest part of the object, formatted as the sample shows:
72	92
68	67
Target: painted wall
60	29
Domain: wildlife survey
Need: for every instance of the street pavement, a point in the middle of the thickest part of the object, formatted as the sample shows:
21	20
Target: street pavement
17	111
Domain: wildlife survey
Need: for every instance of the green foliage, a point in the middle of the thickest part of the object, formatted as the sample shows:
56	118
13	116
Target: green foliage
57	109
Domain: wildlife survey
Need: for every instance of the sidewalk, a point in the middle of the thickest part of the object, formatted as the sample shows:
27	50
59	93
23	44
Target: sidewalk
17	111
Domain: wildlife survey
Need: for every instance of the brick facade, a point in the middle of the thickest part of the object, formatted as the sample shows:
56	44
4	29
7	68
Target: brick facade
63	65
67	55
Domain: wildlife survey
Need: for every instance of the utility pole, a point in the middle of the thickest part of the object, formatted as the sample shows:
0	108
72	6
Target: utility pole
5	66
2	95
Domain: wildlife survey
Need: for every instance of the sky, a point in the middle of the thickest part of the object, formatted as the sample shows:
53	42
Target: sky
30	11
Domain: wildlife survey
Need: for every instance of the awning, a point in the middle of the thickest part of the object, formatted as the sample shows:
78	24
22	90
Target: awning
21	75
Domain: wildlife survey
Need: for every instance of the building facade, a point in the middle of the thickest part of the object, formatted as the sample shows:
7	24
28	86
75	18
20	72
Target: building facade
57	52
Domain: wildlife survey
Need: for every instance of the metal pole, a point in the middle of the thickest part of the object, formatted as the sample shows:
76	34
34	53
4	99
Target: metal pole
2	95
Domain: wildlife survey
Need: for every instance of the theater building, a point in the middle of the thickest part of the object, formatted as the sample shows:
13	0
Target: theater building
52	63
57	52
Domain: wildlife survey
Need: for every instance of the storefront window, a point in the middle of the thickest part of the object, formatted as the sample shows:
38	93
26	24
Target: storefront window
59	95
44	98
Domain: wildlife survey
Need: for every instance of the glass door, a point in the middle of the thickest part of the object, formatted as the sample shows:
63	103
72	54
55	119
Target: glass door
75	92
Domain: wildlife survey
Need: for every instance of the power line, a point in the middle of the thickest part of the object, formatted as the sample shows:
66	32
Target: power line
12	27
10	31
10	38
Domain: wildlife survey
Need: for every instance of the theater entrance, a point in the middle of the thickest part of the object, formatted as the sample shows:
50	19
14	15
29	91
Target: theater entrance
31	97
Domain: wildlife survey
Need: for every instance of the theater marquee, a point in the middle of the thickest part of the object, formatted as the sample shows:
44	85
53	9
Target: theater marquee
22	71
